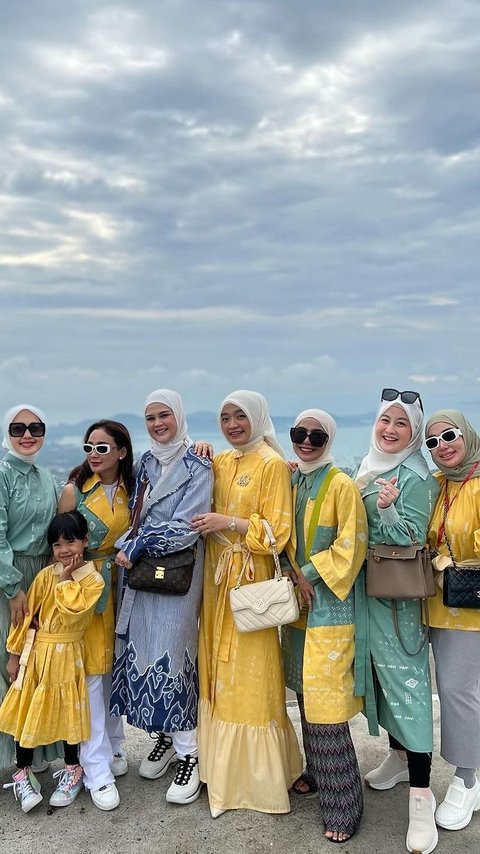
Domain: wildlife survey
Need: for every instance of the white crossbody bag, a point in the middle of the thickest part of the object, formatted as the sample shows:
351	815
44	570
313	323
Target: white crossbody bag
264	604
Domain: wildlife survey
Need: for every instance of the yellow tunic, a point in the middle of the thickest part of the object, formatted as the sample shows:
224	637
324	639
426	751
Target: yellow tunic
106	525
248	750
463	531
327	632
49	701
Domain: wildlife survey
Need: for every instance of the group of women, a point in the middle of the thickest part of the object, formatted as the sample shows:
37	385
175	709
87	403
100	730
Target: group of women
213	698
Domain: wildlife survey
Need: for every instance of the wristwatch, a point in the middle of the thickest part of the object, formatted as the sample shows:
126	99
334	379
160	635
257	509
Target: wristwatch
233	524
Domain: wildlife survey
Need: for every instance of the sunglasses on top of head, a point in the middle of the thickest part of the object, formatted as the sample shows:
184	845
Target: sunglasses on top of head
391	394
17	429
447	436
102	448
318	438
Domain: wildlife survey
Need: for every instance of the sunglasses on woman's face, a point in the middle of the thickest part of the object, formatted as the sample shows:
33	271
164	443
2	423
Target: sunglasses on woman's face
17	429
102	448
318	438
405	396
447	436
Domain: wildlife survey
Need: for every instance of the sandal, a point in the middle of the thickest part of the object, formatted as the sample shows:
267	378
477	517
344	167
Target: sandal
307	781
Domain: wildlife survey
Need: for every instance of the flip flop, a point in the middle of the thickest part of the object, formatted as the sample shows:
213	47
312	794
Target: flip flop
307	781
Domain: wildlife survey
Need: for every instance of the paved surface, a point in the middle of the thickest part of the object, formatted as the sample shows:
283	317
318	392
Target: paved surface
144	822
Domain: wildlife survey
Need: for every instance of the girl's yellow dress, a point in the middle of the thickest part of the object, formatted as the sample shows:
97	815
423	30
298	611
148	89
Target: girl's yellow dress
48	702
248	750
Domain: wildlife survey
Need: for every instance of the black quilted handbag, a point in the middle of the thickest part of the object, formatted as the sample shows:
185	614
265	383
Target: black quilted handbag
461	586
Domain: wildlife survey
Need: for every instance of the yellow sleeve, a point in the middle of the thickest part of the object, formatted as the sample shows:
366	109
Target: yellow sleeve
74	598
35	596
274	505
340	564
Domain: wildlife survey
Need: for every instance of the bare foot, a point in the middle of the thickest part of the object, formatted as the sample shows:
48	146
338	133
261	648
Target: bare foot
337	835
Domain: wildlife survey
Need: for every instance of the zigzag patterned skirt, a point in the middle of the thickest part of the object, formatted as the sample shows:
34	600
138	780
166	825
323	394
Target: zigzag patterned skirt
332	762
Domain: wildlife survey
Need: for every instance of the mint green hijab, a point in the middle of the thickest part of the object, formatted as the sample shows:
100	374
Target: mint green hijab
470	437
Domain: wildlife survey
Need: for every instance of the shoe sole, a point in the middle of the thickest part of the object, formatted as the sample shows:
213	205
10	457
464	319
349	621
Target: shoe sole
32	803
460	824
106	808
402	777
188	800
157	774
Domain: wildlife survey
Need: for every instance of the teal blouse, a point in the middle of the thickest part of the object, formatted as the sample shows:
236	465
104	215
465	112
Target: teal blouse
28	503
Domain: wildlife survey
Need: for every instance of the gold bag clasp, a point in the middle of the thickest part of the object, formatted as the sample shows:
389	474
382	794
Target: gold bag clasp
160	572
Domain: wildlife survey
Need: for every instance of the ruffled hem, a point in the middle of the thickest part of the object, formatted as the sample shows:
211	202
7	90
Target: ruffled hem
42	714
247	767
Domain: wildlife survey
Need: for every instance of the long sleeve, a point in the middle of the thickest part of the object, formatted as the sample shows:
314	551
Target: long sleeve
408	517
78	596
35	596
10	578
339	564
275	493
175	534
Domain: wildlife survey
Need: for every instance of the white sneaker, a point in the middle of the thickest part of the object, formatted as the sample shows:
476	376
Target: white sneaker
26	789
186	786
119	766
422	834
69	785
393	770
456	810
158	760
106	797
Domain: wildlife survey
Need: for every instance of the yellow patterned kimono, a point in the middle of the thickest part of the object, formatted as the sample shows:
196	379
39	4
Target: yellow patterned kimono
48	702
248	750
105	526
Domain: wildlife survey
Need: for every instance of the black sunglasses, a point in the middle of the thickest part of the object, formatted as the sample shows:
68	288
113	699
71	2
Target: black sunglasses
318	438
17	429
405	396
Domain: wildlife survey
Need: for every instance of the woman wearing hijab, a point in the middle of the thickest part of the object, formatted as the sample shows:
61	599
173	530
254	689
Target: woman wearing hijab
326	553
155	681
455	632
249	755
28	502
399	494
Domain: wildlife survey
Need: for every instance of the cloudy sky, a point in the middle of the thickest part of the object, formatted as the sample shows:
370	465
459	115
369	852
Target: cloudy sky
214	194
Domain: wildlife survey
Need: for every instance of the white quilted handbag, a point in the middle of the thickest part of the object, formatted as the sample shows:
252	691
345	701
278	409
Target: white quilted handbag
264	604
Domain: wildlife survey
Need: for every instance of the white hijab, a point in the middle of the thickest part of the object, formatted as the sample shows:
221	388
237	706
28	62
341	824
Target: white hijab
376	462
328	424
255	408
167	453
7	441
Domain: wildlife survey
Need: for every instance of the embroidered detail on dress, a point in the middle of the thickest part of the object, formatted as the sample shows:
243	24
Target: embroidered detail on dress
412	683
244	480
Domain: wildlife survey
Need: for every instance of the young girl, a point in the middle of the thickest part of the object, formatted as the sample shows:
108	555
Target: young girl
48	700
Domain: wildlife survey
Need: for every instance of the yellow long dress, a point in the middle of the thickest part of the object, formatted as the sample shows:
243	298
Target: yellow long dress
48	702
248	750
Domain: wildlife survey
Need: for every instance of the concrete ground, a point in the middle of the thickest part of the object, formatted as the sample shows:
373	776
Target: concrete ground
144	822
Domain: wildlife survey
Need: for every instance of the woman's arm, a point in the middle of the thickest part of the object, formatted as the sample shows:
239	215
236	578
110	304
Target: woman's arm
67	501
160	536
274	505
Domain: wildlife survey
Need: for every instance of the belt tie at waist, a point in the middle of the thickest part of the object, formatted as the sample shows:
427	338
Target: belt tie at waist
43	637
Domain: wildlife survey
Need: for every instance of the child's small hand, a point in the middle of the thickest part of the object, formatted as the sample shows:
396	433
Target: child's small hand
13	666
75	562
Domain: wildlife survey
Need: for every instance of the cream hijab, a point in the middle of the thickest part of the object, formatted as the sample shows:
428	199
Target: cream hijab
167	453
328	424
470	437
255	408
377	461
8	418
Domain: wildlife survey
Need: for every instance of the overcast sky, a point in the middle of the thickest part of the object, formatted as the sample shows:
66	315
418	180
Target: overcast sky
217	194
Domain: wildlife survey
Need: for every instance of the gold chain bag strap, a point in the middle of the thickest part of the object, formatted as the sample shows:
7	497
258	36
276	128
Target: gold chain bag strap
264	604
461	582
